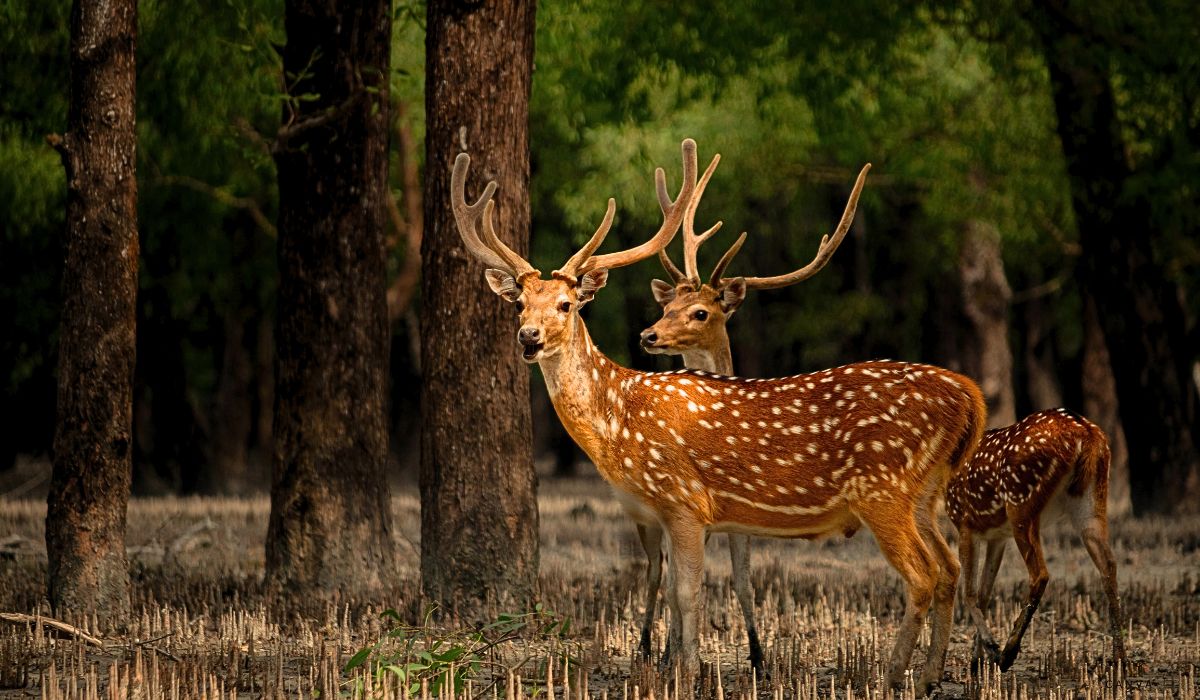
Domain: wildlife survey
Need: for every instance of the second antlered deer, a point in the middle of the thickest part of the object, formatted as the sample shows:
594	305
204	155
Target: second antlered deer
693	325
693	452
1050	463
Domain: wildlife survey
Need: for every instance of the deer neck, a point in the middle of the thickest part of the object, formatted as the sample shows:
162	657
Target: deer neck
715	357
584	387
716	360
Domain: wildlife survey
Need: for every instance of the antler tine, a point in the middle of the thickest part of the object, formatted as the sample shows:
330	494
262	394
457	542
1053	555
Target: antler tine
826	249
725	260
518	265
468	215
676	274
593	243
665	203
692	242
666	232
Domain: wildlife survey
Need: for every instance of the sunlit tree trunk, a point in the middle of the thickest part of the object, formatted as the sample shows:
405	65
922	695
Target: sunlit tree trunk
479	519
986	297
330	528
89	489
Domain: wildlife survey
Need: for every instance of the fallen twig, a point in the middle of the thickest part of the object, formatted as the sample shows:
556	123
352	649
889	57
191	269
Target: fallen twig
59	625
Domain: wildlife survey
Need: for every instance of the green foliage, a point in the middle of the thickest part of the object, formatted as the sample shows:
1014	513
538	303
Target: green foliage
950	102
408	656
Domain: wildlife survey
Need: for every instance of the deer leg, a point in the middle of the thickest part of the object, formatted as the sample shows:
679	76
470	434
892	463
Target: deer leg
942	617
673	631
651	537
685	562
985	644
739	557
1095	539
1029	544
991	567
907	552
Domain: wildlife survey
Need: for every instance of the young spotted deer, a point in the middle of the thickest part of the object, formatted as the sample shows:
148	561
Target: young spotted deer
693	452
693	325
1051	463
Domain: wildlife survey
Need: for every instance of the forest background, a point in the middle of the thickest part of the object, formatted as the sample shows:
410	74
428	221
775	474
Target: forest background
966	252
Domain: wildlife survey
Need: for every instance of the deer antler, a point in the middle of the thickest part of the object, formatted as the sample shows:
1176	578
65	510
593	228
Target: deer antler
824	252
491	250
691	241
673	215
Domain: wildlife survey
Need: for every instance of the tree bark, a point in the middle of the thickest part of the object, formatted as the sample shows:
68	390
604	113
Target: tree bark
479	518
986	298
1041	379
89	489
1100	404
330	529
1138	307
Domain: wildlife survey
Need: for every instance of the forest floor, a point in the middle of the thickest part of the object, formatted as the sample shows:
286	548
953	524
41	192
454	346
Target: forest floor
827	612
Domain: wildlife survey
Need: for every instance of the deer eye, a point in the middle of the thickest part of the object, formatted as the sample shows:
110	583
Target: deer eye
520	305
564	306
700	315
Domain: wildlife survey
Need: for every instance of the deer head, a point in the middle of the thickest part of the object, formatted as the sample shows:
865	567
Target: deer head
695	313
548	307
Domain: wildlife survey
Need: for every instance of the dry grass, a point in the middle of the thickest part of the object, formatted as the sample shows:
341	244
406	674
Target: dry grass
826	611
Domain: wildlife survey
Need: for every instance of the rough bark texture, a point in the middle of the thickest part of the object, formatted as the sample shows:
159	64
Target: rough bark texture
330	528
89	490
479	520
1100	404
1138	307
986	298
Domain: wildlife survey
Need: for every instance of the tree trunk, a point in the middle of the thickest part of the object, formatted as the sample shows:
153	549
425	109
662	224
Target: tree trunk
986	298
479	518
1137	305
232	405
89	490
1101	405
1041	365
330	528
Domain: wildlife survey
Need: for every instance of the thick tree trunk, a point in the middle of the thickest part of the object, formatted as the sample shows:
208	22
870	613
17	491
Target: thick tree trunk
986	298
1100	404
479	518
89	490
330	528
1138	308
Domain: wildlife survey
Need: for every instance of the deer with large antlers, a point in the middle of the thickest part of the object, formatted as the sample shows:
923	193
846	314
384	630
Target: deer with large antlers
693	325
693	452
1048	464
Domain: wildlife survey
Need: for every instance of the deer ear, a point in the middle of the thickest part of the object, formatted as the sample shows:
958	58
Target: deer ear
503	284
731	294
590	283
663	293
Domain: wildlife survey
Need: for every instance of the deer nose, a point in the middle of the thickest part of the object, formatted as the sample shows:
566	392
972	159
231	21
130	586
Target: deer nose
529	336
649	338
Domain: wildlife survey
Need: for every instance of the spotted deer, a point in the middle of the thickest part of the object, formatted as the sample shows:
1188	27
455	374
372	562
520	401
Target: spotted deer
1050	463
693	452
693	325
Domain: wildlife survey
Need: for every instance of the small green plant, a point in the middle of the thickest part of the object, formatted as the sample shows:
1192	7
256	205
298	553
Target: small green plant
438	657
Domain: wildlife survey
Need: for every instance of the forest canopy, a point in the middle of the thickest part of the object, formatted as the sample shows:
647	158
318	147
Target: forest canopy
952	104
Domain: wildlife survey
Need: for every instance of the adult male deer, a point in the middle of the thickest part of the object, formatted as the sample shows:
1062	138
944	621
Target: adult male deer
1050	463
693	325
692	452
